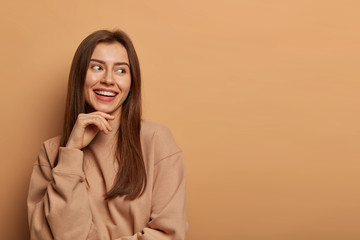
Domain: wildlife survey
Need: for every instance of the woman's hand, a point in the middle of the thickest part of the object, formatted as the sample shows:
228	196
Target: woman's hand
86	127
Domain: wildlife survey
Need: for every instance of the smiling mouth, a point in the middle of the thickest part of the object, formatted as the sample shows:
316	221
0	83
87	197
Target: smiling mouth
105	93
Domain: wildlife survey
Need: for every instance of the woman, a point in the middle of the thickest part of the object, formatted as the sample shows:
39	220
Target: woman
111	175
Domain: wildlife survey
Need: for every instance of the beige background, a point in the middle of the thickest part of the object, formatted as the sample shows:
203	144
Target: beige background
262	96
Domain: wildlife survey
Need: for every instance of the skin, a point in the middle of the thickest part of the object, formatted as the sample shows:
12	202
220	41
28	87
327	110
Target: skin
108	71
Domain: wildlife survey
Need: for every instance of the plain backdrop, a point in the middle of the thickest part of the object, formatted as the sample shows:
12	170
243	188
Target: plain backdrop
262	96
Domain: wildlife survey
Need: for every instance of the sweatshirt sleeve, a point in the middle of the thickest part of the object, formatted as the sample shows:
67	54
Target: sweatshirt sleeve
168	207
58	206
168	217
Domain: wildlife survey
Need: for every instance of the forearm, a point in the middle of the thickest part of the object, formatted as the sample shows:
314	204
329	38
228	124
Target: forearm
59	208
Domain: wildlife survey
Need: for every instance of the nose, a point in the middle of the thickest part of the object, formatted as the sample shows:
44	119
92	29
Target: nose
107	78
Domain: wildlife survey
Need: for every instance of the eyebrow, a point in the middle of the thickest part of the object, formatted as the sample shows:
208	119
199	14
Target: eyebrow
117	63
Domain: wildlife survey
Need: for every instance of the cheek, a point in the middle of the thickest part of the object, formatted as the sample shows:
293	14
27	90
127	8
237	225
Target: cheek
124	84
90	79
88	83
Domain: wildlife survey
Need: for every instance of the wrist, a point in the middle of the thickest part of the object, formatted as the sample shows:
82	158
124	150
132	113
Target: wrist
70	144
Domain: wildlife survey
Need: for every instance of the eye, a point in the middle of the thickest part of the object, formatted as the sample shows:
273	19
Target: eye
120	70
96	67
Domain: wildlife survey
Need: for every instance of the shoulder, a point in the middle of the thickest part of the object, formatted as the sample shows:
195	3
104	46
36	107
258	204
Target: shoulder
49	151
53	143
159	138
151	129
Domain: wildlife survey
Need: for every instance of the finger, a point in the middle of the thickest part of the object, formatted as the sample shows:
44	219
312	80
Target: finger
105	122
100	123
104	115
86	119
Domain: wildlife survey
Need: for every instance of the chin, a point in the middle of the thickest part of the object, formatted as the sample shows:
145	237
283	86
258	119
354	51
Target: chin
108	110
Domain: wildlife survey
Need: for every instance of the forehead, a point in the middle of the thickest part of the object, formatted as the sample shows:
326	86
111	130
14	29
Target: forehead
110	52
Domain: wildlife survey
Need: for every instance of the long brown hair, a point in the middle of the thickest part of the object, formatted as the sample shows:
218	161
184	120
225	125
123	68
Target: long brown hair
131	177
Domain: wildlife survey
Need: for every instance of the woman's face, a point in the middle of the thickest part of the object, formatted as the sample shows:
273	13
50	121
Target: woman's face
108	78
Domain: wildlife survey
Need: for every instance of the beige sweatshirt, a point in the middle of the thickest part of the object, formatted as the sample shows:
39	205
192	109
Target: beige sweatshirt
67	201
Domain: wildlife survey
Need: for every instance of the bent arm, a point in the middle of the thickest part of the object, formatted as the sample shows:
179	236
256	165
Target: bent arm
58	206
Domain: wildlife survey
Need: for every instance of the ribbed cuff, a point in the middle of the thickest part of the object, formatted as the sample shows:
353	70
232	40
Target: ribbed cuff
70	160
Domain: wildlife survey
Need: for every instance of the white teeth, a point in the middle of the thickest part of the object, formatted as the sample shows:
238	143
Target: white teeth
104	93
